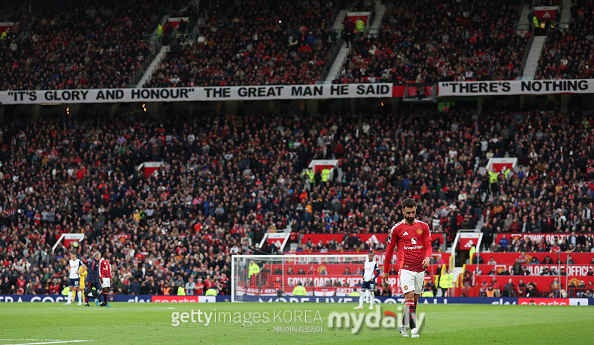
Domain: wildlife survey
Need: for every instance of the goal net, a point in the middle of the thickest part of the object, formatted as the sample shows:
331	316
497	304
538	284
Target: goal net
254	276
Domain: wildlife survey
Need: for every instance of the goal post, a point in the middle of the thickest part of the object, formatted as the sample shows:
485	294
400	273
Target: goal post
277	275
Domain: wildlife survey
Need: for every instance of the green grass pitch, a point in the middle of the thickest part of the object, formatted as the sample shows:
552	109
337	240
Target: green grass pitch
151	323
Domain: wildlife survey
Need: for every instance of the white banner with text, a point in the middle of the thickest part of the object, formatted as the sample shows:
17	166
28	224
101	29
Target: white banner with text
515	87
218	93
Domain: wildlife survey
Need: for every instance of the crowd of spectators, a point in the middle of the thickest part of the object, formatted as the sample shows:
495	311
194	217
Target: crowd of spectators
430	41
80	44
99	45
361	6
545	3
576	243
553	190
569	53
228	179
253	43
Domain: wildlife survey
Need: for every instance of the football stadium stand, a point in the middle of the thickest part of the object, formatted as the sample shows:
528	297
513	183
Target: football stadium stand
226	180
568	53
223	177
430	41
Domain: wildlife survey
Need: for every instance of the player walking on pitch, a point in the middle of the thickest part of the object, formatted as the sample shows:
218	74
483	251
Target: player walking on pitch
105	275
370	273
75	266
413	240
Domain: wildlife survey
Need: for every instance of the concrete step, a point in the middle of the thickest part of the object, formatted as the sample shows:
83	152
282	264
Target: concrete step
338	62
153	66
339	19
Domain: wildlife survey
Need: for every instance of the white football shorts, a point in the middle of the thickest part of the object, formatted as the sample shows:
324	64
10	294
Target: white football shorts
412	281
106	283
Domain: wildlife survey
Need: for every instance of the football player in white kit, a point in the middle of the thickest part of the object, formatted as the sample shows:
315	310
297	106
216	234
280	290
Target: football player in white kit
74	266
370	273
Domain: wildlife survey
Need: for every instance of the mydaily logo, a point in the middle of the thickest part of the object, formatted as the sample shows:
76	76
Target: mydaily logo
372	320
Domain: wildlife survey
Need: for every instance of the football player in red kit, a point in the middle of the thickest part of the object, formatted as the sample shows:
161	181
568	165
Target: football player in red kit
412	240
105	276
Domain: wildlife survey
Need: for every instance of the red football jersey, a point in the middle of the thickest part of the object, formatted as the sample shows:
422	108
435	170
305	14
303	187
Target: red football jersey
414	245
208	284
104	269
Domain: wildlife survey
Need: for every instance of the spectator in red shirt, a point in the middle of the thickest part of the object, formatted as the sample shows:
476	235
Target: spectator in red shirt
484	286
55	287
21	282
208	283
80	173
495	285
38	287
199	287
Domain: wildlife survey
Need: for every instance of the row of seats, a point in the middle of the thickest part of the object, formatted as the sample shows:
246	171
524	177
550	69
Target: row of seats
92	44
253	44
568	53
99	45
442	41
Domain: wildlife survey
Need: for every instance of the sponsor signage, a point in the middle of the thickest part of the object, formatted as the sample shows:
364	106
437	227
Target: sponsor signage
498	164
277	238
546	12
433	300
387	300
355	16
543	301
6	26
318	299
149	168
183	299
468	239
175	21
61	298
533	237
